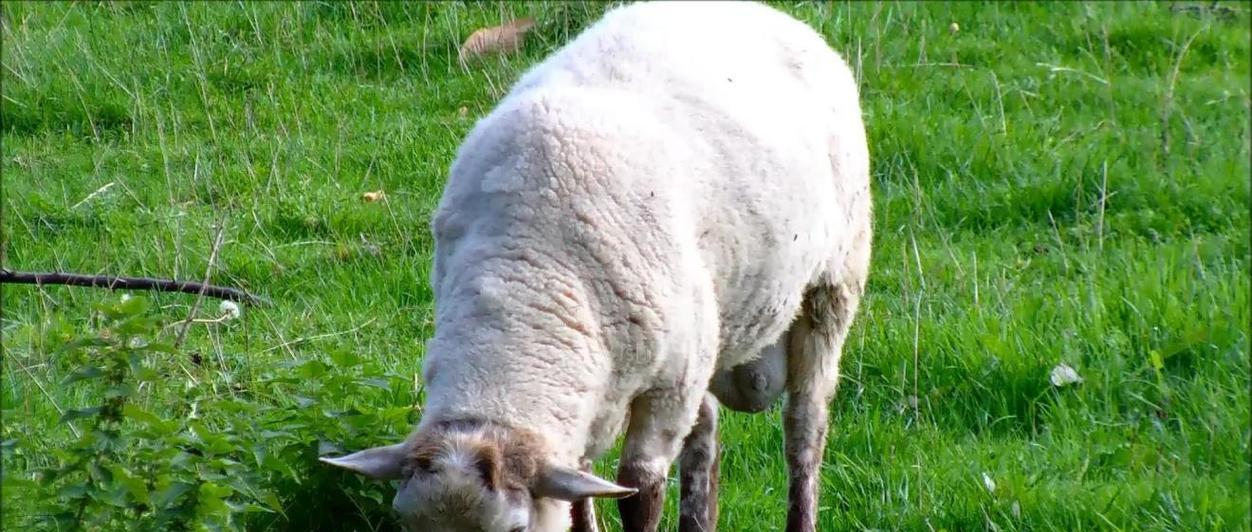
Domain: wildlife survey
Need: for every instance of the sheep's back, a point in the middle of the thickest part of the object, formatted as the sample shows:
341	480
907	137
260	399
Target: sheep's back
669	134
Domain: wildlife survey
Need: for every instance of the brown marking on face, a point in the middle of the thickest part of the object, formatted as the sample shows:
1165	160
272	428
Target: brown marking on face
521	451
504	457
421	457
487	462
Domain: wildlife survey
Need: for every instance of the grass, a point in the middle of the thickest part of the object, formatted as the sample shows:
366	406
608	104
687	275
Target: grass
1054	183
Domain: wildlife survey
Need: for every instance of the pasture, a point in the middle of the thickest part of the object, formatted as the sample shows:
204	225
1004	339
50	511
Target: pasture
1063	183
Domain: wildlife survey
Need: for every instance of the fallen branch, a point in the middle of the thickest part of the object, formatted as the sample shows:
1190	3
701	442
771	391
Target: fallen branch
131	283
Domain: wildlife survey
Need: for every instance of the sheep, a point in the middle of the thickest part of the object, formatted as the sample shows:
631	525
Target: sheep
672	205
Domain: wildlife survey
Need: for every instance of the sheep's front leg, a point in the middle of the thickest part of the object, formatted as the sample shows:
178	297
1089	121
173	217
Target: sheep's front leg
698	466
583	512
659	421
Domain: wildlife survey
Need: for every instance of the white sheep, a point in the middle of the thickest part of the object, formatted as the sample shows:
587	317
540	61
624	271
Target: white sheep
680	188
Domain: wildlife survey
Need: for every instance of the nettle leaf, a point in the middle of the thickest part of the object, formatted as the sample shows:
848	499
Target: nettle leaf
259	455
325	447
271	502
211	442
13	483
395	414
344	358
373	495
71	415
125	308
280	379
350	413
377	382
144	373
132	306
283	463
225	464
136	327
85	373
110	311
45	476
140	372
135	487
161	347
148	419
182	460
240	484
112	495
167	496
66	520
124	389
212	499
105	439
312	369
72	492
100	474
80	344
212	476
276	434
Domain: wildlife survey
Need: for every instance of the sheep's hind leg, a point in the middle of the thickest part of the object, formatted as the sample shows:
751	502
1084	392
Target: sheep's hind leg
813	352
749	387
698	467
659	422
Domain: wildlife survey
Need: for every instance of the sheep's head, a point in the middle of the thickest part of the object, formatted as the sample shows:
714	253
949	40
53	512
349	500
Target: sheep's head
471	476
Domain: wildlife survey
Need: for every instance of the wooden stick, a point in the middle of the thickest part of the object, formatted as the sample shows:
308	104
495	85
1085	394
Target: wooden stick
130	283
208	271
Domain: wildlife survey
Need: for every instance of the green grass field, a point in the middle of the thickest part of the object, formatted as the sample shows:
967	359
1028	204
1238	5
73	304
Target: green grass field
1054	183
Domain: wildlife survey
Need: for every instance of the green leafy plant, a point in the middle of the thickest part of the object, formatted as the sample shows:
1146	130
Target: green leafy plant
216	461
129	468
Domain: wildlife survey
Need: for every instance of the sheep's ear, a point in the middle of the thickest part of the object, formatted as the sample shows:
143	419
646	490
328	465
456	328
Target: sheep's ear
378	463
569	484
